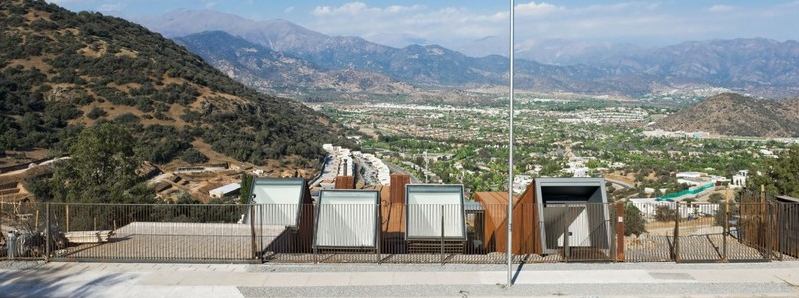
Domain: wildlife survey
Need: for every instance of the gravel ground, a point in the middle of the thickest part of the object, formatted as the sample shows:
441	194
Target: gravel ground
578	290
20	265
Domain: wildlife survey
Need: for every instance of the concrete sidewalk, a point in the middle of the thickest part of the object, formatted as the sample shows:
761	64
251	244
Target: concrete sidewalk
390	280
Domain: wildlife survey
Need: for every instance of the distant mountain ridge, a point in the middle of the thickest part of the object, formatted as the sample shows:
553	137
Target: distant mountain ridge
275	72
759	67
732	114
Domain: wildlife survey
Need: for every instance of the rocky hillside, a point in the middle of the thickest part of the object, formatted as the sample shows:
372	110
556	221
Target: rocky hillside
736	115
61	71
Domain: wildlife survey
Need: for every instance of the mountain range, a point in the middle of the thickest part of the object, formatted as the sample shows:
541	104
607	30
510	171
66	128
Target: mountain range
755	66
275	72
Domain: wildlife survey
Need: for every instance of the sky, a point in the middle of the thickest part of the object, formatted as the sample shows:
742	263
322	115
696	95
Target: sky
457	22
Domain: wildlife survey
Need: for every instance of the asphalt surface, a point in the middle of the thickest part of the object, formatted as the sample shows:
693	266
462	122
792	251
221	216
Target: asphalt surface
37	279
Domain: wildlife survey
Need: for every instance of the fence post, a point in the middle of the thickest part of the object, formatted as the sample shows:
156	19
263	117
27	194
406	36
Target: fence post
261	247
620	232
442	235
566	250
48	233
314	249
677	233
761	229
67	216
726	232
252	233
769	230
780	230
378	232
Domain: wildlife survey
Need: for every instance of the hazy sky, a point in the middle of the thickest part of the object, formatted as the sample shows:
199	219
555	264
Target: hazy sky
449	22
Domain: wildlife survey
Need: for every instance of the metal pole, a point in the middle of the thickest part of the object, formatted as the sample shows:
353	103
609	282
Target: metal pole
261	248
378	232
510	146
620	232
566	251
253	243
47	232
442	235
726	222
677	258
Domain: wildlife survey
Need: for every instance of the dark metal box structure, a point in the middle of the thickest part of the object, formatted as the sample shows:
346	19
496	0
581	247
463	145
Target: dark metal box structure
573	213
545	213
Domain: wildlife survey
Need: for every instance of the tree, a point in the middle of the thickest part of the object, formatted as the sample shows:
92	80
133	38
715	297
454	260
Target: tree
634	222
665	213
715	198
193	156
101	169
779	175
246	184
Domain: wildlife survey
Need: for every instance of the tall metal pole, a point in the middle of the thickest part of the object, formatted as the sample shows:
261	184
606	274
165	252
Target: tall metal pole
510	148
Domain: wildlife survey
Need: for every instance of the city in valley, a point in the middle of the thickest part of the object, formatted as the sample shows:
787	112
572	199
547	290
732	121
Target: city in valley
554	136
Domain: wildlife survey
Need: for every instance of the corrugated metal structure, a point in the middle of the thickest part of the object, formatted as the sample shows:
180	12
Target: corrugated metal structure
282	199
286	202
224	190
433	208
347	219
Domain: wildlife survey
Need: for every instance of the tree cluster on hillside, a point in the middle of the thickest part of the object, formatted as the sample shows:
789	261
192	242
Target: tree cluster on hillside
102	168
778	175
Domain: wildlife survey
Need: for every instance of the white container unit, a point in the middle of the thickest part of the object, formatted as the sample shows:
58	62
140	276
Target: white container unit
279	201
347	219
431	205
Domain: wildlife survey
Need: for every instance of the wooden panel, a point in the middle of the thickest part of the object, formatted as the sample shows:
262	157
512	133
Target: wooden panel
306	229
398	183
526	232
345	182
495	206
392	217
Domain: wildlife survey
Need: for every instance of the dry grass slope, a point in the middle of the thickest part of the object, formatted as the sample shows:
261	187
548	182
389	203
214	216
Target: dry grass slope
732	114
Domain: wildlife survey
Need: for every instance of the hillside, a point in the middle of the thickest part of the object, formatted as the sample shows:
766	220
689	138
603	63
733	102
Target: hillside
61	71
736	115
274	72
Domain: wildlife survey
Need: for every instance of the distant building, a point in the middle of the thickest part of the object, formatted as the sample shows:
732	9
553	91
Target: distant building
739	180
520	183
224	190
690	174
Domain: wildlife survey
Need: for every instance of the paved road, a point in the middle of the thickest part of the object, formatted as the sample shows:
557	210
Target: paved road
619	183
779	279
399	170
